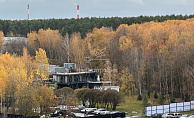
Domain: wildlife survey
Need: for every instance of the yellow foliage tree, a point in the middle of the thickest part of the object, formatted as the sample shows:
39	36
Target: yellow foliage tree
46	99
127	82
17	87
33	40
29	65
99	44
3	80
1	38
78	49
49	40
42	63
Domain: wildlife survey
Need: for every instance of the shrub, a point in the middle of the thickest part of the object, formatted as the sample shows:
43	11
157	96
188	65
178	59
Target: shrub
145	104
148	93
145	101
161	100
172	100
155	95
139	97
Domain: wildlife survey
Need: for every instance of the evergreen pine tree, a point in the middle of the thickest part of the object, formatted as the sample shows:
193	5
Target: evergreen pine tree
161	100
172	99
145	103
155	95
148	93
139	97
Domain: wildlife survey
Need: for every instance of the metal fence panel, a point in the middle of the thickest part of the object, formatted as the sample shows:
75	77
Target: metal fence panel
160	109
154	109
192	105
166	108
172	107
180	107
148	111
187	106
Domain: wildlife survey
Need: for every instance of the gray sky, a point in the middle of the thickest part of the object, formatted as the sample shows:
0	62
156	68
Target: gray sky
45	9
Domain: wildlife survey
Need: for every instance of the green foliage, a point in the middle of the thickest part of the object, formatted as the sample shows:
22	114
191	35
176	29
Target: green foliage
161	100
148	93
82	25
65	94
112	98
65	91
186	98
155	95
95	97
80	94
139	97
172	99
145	101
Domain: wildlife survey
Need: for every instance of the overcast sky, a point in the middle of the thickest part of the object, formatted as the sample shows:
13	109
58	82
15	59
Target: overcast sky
46	9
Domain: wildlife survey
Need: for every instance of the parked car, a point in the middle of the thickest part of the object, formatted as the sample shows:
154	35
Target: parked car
157	115
176	115
88	110
78	109
185	116
167	115
192	116
101	111
114	112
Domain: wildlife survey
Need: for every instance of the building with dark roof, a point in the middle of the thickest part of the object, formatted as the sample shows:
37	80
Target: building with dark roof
68	76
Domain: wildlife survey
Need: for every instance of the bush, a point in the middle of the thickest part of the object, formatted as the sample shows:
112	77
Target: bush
145	101
161	100
148	93
139	97
145	104
155	95
172	100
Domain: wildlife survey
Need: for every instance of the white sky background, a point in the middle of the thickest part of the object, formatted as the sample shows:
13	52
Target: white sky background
46	9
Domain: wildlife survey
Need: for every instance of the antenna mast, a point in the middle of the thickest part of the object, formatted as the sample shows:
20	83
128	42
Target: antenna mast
28	12
77	11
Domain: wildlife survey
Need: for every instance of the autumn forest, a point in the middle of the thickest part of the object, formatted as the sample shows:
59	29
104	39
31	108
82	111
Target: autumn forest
151	56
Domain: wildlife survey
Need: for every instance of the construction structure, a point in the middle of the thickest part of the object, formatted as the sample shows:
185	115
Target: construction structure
71	76
68	76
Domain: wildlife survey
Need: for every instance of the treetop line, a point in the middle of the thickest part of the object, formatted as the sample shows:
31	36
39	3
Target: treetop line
82	25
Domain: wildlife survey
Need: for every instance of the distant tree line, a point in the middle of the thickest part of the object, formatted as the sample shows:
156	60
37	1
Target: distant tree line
82	25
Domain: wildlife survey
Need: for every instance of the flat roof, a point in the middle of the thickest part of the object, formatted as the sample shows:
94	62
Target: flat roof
75	73
94	82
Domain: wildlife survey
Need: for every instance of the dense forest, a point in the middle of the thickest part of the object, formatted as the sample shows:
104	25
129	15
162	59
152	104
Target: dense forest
150	56
82	25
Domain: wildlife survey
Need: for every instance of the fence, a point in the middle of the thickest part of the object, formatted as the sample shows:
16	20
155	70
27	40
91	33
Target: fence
172	107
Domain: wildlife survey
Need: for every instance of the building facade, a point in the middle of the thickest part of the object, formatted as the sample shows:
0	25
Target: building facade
67	76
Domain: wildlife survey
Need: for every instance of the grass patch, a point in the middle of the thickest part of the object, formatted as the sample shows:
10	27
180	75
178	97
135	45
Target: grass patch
131	104
188	112
79	102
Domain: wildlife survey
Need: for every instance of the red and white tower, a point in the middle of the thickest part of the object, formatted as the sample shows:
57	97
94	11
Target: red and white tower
28	12
77	11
